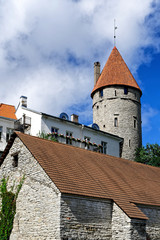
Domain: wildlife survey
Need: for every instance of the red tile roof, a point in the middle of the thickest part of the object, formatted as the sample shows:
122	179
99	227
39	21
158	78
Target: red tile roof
115	72
82	172
7	111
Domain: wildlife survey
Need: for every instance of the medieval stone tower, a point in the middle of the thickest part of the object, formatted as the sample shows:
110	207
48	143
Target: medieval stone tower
116	102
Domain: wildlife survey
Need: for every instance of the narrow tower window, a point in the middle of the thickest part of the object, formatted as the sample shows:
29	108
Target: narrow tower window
125	90
101	93
129	143
116	122
115	93
135	123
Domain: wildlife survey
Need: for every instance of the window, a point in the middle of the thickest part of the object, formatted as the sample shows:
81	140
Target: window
116	122
68	137
87	140
15	159
1	130
101	93
115	93
104	147
104	126
8	134
54	130
135	123
97	107
129	143
125	90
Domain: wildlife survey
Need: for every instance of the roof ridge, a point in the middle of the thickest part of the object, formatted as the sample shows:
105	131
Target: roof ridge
7	104
92	152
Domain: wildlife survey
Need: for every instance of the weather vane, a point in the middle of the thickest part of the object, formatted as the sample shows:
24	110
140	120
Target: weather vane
115	27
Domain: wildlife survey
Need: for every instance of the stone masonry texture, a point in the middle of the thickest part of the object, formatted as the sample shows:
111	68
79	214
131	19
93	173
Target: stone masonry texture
126	229
153	222
127	109
85	218
38	204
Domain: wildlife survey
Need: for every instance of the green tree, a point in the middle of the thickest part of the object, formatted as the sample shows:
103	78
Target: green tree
150	154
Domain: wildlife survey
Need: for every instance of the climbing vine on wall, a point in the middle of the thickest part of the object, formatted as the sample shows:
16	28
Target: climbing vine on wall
8	207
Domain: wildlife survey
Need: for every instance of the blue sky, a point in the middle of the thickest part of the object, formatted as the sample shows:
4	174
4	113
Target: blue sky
48	48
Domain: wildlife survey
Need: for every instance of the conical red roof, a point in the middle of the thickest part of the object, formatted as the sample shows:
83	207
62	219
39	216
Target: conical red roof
115	72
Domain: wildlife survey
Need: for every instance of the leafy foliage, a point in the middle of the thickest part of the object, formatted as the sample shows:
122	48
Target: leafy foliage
47	136
149	155
8	208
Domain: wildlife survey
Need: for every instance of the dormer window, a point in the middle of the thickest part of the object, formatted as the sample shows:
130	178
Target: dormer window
125	90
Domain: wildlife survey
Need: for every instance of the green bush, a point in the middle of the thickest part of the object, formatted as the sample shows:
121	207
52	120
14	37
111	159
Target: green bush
8	208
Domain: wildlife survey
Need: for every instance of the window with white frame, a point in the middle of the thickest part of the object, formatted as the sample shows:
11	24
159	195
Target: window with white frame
8	133
1	131
104	147
68	137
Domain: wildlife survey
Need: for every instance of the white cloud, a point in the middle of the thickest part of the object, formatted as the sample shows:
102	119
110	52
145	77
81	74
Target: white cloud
148	113
47	48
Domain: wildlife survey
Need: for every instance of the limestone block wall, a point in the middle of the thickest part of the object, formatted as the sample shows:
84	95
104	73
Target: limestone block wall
38	204
153	222
85	218
125	228
126	108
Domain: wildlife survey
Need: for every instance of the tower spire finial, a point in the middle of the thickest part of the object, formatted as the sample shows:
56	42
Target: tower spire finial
115	27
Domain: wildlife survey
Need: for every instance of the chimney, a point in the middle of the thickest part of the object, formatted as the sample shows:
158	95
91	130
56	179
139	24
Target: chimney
96	71
23	101
74	118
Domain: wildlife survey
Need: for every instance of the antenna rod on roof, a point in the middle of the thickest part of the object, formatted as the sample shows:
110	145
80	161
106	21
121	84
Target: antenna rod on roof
115	27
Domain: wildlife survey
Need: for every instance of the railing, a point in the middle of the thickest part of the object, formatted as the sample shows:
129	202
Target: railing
77	142
22	123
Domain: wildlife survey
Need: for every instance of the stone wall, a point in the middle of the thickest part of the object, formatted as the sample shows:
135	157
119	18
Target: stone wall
38	204
125	228
127	109
153	222
85	218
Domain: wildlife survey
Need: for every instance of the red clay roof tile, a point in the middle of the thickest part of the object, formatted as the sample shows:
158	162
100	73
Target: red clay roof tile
115	72
82	172
7	111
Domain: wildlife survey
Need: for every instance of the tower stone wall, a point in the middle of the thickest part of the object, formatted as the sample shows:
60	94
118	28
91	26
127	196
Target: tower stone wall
117	110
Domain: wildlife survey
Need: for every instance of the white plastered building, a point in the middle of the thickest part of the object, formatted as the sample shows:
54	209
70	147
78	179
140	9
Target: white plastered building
66	131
